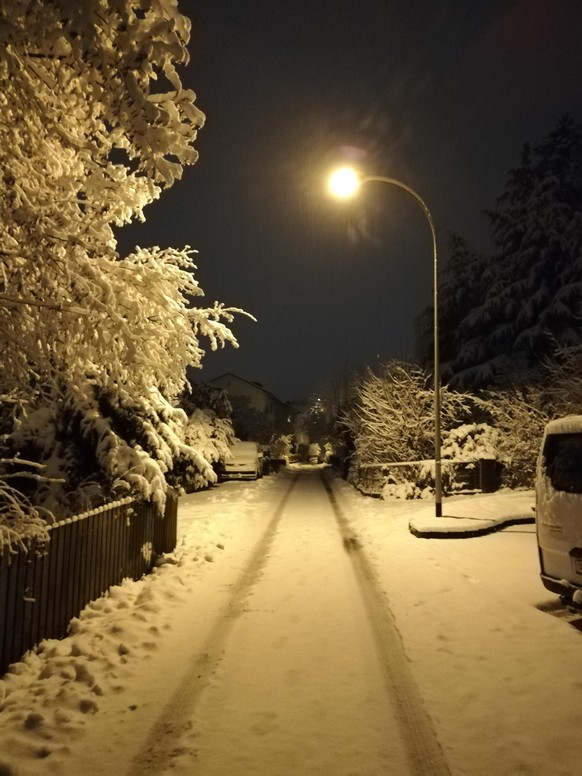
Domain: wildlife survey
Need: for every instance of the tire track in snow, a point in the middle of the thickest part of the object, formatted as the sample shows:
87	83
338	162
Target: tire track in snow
418	735
173	722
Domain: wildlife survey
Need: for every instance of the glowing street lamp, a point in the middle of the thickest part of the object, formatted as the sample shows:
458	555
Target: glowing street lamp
344	183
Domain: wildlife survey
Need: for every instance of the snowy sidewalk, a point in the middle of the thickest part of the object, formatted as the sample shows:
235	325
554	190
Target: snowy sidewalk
474	515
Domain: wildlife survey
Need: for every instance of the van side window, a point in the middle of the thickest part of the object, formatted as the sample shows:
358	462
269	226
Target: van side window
563	461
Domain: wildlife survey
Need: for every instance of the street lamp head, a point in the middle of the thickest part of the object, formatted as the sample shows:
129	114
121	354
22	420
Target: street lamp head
344	182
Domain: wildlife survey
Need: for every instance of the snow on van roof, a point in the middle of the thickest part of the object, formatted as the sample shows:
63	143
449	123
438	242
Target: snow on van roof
570	424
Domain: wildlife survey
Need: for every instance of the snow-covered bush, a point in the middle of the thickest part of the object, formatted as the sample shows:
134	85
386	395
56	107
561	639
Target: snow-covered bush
390	419
95	346
410	482
281	446
20	522
564	381
208	430
520	416
314	452
470	442
390	416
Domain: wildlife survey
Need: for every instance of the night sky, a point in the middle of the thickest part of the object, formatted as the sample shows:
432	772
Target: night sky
440	94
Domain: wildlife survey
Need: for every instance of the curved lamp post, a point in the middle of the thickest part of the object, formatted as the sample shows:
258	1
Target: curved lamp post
344	183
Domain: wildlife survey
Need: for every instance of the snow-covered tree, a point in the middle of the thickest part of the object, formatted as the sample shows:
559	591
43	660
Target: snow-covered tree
563	381
317	422
534	291
209	430
391	414
95	346
251	424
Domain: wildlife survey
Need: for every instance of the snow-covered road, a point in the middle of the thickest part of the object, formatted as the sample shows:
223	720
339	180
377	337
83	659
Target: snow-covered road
298	677
308	632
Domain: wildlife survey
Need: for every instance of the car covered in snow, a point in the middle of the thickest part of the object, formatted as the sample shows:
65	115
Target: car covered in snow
559	507
246	462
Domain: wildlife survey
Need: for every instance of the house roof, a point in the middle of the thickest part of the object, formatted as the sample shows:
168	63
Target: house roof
250	382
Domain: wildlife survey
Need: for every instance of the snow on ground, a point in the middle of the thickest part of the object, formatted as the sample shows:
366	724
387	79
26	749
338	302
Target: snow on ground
500	675
478	515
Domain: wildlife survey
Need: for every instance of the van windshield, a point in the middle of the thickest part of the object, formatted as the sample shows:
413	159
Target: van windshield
563	459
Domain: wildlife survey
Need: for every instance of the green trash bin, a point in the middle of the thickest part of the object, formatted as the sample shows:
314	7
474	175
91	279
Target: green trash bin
488	475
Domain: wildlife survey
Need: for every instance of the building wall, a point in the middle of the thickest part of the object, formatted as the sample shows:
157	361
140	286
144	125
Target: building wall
236	386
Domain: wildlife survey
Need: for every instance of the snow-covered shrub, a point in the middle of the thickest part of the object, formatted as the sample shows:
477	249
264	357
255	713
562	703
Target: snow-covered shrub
96	345
470	442
281	446
390	415
104	444
564	381
520	416
314	452
20	522
414	481
328	450
390	419
208	430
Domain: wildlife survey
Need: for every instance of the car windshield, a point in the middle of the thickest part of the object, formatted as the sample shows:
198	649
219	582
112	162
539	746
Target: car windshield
244	452
563	460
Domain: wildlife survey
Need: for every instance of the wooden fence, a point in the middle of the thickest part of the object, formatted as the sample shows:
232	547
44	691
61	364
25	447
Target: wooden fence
43	588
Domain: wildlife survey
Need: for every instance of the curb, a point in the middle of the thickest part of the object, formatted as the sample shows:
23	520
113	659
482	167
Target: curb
487	528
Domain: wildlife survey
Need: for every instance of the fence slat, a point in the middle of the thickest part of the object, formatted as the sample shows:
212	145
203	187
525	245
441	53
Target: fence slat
4	621
41	567
14	605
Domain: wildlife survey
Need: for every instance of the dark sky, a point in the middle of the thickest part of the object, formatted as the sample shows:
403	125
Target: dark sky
440	94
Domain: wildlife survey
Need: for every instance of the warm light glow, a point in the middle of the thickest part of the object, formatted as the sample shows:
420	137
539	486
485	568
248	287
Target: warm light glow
344	183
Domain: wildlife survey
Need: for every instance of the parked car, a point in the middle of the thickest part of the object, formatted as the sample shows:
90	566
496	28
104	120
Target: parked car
559	507
247	462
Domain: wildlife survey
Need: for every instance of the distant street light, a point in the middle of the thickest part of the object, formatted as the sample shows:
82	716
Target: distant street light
344	183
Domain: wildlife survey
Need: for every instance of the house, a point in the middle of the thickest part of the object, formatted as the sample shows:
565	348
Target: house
250	397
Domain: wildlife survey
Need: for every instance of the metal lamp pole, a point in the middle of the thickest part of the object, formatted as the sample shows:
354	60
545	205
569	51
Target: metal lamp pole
436	366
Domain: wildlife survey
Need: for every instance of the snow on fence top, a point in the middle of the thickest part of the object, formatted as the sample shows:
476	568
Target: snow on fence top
96	511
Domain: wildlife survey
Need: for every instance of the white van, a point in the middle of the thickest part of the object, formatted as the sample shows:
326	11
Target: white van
559	507
246	462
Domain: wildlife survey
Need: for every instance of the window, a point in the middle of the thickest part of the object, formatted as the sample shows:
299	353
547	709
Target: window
563	461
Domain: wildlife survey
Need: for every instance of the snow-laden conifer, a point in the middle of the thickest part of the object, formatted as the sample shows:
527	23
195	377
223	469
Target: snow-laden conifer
532	293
